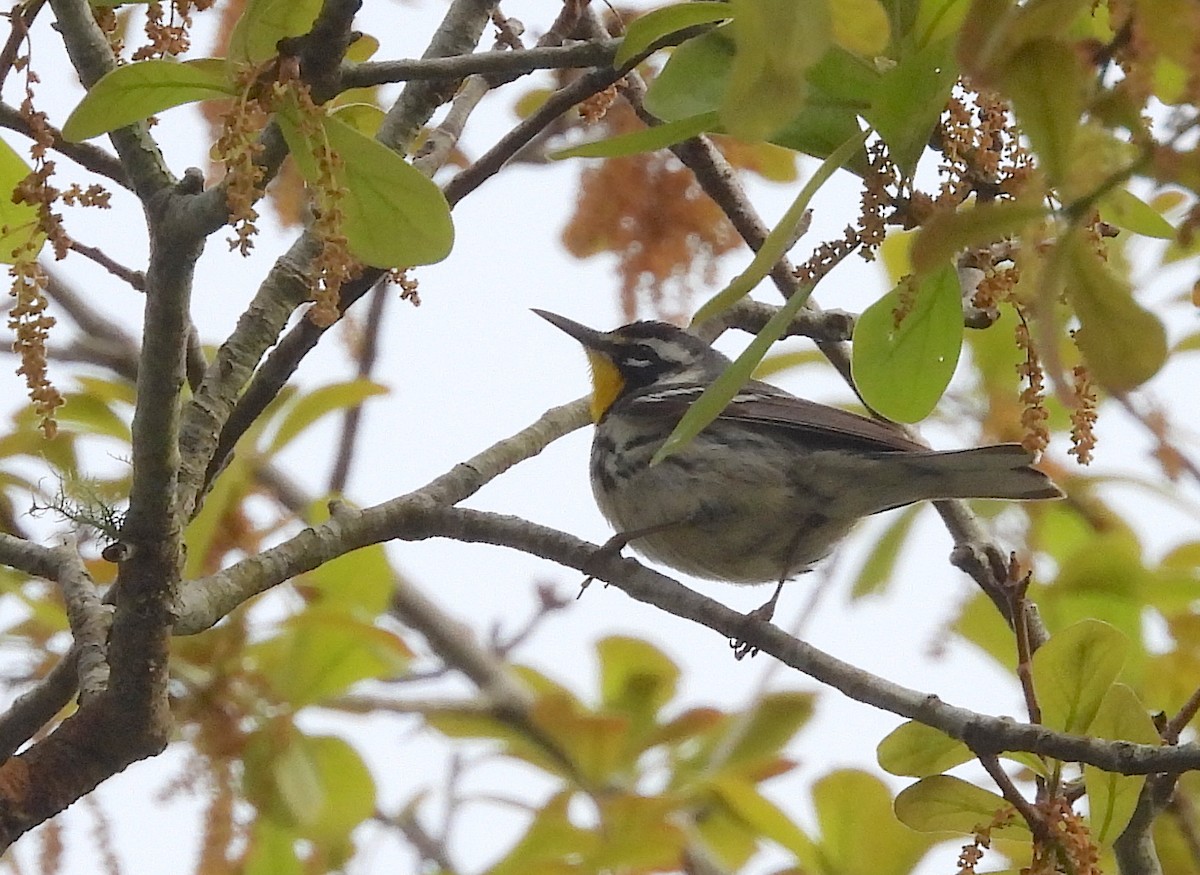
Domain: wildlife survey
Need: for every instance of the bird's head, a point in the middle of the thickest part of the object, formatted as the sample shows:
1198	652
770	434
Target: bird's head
640	354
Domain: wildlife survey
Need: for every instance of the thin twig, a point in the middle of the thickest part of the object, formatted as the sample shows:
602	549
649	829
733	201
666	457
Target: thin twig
135	278
352	418
22	17
86	155
429	849
1185	715
1036	823
496	65
1018	588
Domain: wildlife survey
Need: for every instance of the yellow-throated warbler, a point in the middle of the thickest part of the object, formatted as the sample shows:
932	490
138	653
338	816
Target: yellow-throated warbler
774	482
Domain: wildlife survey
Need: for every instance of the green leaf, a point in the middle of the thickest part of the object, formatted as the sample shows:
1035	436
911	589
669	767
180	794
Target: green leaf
18	222
636	679
640	834
777	41
694	78
1123	208
917	750
820	128
777	717
647	140
272	849
902	370
878	566
1112	798
318	403
93	416
910	99
548	843
133	92
1124	344
763	816
946	234
860	26
323	651
297	783
360	582
347	789
597	744
851	805
1073	671
394	215
645	30
943	803
365	118
264	23
1045	80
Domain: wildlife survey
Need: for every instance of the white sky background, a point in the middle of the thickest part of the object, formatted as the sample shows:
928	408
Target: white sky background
471	366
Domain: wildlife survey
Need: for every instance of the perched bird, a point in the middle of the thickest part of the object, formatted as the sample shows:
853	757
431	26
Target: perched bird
774	482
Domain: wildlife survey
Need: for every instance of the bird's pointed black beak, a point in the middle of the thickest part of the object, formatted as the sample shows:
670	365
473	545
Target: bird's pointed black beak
589	337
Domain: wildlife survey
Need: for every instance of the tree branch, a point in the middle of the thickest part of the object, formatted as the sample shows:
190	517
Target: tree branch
86	155
92	57
496	65
458	34
416	517
89	621
34	709
148	580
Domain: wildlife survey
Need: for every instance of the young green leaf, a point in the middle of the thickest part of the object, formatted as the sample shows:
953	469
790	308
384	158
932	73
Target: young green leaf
133	92
1112	798
776	718
318	403
1123	208
910	99
766	819
18	222
917	750
860	26
322	651
882	559
1124	343
263	23
945	234
943	803
647	29
777	243
1046	81
851	805
395	215
694	78
636	678
777	42
347	789
902	370
271	849
1073	671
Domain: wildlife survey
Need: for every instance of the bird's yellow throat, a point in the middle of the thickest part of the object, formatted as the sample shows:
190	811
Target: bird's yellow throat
607	383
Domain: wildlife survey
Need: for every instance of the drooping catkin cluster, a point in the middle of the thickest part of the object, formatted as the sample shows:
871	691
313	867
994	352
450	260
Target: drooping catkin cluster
263	90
